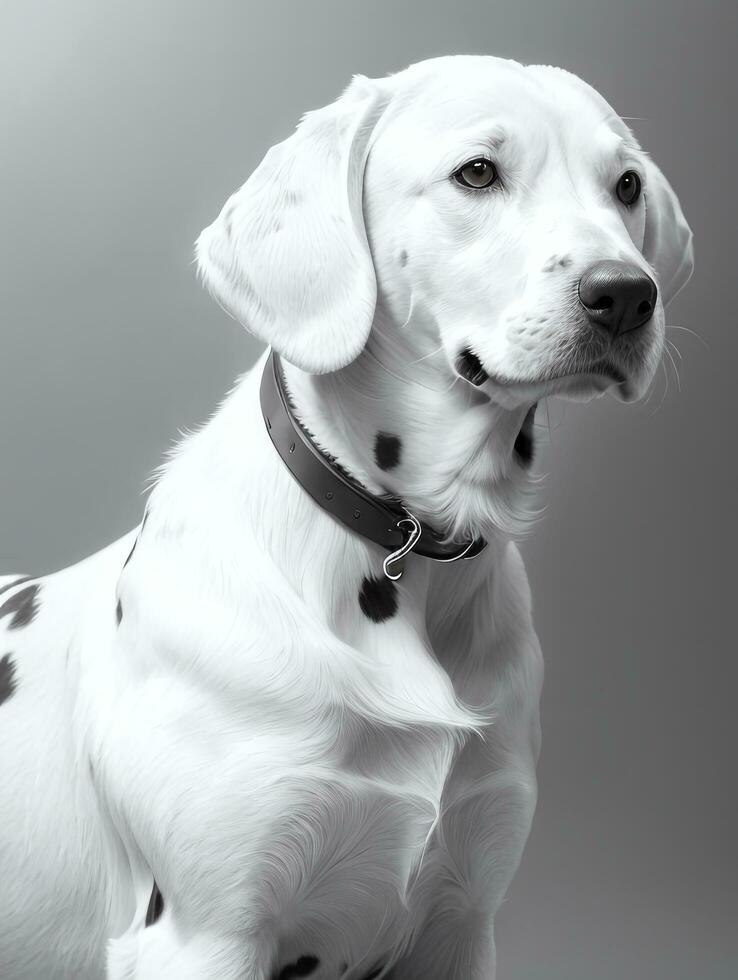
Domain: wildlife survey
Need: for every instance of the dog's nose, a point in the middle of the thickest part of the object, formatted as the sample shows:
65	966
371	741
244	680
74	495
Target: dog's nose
617	295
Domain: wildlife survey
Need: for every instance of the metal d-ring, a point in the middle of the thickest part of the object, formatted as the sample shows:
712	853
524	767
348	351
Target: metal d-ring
412	540
462	554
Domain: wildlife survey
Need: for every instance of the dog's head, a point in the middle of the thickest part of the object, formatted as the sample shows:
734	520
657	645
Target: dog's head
508	206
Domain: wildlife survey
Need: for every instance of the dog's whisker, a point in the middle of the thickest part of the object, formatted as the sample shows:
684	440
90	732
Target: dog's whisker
653	387
674	326
673	364
410	311
666	386
454	381
676	350
415	381
431	354
653	384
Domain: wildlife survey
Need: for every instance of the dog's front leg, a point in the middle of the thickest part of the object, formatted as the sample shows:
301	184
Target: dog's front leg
479	847
488	645
165	952
159	944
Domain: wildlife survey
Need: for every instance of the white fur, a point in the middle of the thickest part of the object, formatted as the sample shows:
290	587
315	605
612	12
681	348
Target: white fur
298	779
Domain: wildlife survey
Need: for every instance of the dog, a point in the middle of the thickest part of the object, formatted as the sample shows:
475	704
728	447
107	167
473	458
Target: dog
252	738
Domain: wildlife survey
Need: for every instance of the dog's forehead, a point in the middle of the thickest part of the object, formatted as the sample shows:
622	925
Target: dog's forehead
456	93
448	91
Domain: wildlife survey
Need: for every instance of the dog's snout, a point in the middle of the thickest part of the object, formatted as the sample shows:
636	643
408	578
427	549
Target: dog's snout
618	296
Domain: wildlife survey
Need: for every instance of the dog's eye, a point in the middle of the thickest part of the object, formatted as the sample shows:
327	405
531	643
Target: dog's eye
628	187
477	173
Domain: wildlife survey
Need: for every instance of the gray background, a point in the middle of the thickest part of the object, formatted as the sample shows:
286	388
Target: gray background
125	126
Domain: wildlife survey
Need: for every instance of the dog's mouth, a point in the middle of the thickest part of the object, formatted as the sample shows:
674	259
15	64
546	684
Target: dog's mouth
584	379
596	377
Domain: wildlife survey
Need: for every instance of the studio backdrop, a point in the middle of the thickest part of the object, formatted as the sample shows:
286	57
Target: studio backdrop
124	128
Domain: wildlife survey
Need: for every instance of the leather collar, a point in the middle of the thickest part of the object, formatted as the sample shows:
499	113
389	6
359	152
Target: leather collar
383	520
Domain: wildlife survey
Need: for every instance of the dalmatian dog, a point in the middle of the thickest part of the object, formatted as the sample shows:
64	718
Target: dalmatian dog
247	740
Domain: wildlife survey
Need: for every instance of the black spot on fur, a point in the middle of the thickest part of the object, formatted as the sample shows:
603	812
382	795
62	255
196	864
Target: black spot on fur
156	906
387	450
23	605
374	973
302	967
403	257
524	447
378	598
16	581
118	612
7	678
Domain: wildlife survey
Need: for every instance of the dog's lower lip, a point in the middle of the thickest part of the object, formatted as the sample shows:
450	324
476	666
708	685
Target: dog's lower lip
607	370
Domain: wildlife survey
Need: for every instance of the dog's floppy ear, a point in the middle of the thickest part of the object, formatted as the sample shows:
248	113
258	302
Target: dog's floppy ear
667	243
288	255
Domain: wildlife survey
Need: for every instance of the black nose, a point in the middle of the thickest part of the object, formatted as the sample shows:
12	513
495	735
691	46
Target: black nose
617	295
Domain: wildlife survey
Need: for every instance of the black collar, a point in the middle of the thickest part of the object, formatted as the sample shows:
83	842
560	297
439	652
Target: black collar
375	518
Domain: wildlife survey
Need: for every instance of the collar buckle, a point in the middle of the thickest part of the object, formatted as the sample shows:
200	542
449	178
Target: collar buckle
413	536
475	546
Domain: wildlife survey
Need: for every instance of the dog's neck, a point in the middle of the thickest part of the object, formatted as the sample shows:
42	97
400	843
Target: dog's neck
398	420
226	495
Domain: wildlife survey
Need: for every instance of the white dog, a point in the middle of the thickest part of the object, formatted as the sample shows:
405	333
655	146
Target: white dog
236	743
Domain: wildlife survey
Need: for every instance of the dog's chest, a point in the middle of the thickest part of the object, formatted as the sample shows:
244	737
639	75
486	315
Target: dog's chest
312	794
